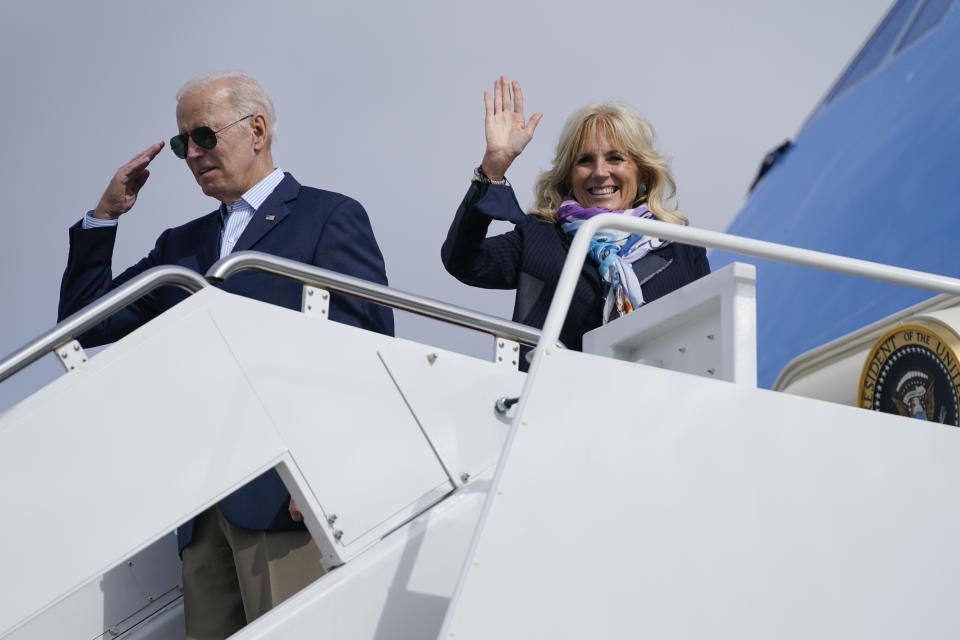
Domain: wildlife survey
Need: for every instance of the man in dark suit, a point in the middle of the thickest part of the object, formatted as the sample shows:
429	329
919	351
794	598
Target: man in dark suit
250	552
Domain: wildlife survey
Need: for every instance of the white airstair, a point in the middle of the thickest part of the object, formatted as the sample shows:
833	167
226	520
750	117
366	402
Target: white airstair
646	489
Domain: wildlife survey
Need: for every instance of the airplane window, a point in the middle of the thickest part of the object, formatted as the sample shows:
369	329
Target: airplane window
929	15
877	48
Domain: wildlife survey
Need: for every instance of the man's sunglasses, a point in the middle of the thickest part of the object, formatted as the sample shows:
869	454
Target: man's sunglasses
203	137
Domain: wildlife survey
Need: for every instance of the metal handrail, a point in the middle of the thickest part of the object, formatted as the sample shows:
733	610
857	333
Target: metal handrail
324	278
97	311
734	244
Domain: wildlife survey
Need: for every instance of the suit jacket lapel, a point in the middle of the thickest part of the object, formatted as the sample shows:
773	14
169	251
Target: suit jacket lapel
209	250
273	210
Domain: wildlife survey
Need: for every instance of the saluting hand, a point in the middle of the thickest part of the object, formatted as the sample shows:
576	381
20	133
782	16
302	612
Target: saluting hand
121	193
507	132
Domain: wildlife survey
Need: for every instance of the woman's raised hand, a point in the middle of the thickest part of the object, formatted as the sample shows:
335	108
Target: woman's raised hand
507	133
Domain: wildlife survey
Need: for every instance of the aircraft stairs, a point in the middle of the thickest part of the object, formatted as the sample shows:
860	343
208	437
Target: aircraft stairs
645	487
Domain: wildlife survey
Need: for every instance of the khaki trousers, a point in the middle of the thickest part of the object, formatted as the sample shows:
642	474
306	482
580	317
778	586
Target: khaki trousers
231	575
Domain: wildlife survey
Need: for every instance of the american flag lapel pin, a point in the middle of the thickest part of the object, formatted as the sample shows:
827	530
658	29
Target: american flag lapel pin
271	217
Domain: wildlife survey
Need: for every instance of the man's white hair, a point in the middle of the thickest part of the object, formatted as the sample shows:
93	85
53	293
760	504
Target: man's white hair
246	94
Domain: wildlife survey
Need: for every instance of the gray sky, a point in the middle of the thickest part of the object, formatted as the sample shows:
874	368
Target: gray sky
383	102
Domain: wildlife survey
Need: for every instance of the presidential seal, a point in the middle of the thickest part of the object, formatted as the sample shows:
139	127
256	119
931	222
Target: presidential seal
914	371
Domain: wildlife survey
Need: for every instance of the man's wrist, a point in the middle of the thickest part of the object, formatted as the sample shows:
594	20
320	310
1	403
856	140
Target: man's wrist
91	221
101	213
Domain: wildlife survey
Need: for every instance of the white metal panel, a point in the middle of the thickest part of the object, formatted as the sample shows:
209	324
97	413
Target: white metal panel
398	589
708	509
102	452
124	596
166	624
452	397
248	386
351	436
707	328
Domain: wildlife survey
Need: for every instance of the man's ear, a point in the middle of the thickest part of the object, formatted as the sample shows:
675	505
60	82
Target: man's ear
258	123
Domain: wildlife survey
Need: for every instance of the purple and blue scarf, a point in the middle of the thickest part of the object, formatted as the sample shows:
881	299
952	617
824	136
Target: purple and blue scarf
614	252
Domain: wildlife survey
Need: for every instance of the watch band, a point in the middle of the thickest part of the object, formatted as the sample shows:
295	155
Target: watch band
480	176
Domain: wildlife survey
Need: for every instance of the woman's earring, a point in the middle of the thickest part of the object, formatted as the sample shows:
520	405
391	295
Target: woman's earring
642	189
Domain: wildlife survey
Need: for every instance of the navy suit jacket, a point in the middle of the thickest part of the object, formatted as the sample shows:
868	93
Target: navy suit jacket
530	257
317	227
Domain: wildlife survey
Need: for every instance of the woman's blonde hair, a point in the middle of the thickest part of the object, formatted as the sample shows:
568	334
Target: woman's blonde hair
628	131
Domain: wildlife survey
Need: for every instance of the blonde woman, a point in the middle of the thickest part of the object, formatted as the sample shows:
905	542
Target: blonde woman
605	162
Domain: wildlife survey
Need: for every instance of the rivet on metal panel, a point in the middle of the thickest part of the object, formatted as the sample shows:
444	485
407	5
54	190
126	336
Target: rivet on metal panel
710	337
432	357
711	371
71	355
503	350
682	349
464	477
310	305
130	563
337	534
331	519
